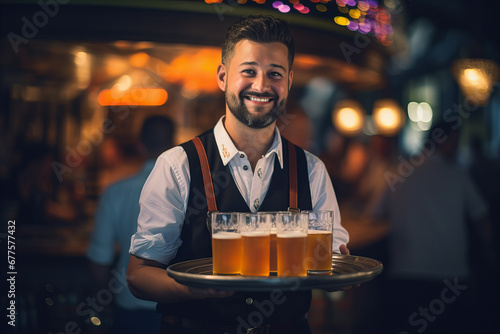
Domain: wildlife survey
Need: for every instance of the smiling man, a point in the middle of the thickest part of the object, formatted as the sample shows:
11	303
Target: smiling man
260	82
250	165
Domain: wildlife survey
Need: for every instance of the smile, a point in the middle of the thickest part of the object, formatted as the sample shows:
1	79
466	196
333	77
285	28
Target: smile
259	99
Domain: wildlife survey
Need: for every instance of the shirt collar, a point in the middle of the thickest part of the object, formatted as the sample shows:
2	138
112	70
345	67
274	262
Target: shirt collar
227	149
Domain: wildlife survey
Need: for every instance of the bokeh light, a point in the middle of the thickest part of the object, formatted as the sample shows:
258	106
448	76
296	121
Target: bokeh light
355	13
387	117
284	8
321	8
353	26
476	77
95	321
341	21
364	16
348	117
420	115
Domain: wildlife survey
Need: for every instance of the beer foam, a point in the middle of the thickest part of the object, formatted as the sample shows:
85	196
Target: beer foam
291	234
255	234
226	235
318	232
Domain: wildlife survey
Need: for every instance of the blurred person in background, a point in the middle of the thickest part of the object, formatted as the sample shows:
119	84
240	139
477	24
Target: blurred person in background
116	222
430	209
485	172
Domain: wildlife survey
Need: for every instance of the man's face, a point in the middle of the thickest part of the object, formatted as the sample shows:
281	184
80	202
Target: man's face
256	82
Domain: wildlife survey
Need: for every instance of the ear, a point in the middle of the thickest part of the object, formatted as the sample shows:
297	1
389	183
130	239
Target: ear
221	76
290	79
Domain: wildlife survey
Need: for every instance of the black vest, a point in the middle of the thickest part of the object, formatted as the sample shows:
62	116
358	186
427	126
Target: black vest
196	238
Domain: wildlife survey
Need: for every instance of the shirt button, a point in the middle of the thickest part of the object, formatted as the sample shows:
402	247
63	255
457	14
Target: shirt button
245	167
242	155
249	301
259	173
256	204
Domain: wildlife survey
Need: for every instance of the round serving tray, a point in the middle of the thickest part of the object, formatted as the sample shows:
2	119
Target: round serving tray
347	270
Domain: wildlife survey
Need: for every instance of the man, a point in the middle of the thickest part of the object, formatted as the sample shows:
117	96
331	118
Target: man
250	168
433	213
116	221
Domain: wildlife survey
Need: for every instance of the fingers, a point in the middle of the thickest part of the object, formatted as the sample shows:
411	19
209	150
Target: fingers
344	250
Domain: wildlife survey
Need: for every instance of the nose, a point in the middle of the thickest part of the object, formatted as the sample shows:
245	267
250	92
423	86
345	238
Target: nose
261	83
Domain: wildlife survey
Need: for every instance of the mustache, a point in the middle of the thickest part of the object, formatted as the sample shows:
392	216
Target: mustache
258	94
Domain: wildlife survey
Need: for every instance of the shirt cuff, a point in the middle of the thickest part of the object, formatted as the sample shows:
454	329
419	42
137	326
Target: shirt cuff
155	247
340	237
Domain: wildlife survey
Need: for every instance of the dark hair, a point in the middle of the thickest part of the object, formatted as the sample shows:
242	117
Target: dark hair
157	134
260	29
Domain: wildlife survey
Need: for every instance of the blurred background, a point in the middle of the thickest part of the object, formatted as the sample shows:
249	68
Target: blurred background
77	79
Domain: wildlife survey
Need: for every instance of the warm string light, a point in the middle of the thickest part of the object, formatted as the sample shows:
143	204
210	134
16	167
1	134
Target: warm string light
363	16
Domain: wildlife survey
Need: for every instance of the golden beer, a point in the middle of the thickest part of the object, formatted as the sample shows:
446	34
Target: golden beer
292	253
227	250
273	259
319	250
256	249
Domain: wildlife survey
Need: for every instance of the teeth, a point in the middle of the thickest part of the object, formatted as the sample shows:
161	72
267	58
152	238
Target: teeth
258	99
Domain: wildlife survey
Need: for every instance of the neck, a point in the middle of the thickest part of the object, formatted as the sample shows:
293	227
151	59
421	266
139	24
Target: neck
254	142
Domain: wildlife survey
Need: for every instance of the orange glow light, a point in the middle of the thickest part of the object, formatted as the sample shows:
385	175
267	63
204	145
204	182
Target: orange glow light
307	61
388	117
194	70
133	97
139	60
348	117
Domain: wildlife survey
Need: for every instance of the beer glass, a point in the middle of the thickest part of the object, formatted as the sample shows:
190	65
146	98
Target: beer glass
255	231
273	259
319	241
227	245
291	228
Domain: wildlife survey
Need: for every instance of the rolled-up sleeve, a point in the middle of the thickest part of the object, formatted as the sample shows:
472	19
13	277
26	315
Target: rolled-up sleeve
323	198
162	208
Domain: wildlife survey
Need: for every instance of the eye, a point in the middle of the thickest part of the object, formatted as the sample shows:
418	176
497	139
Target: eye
248	71
275	75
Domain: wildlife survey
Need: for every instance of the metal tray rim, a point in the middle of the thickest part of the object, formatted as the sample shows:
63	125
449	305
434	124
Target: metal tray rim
179	272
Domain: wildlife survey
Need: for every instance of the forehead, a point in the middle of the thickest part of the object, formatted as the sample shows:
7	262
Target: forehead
262	53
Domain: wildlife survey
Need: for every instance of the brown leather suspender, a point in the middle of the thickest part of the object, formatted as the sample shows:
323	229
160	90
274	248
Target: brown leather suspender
292	163
209	188
207	177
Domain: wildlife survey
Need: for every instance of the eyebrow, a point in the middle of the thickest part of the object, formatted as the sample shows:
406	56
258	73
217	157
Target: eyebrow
254	63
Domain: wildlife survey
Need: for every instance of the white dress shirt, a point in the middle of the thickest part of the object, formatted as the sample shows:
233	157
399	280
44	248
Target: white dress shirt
164	198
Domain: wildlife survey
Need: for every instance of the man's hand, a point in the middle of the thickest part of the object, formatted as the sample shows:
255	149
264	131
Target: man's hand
344	250
149	280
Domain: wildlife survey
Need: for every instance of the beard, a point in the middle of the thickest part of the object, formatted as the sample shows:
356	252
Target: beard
238	108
